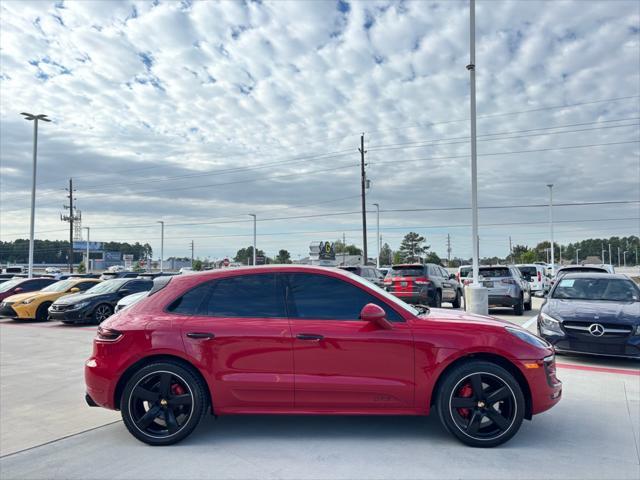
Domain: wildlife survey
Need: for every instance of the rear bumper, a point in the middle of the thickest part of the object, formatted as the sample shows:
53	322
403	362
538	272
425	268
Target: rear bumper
422	296
502	301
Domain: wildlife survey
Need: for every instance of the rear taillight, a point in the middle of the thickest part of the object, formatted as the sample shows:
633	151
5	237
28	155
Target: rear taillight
458	277
108	334
539	276
466	281
387	281
421	280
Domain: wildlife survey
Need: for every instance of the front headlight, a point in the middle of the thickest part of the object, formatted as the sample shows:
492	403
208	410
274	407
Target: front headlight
637	330
549	325
80	305
530	338
28	301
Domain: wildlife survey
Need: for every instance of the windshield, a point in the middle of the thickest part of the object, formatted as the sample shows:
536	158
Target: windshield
607	289
61	286
387	296
406	272
9	284
108	286
495	272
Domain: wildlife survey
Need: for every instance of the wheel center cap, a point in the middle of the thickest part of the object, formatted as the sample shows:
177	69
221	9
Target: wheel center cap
163	402
481	404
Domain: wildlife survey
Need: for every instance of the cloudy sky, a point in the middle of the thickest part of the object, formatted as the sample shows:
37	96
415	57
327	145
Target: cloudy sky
198	113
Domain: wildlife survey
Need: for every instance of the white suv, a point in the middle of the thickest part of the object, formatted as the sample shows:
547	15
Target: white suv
535	274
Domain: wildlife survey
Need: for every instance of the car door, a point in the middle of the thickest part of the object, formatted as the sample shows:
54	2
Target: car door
240	332
342	363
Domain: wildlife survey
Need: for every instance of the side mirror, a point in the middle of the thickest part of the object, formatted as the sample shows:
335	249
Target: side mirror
452	276
74	290
375	314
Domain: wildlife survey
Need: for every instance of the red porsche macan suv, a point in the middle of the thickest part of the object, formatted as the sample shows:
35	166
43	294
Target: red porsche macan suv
311	340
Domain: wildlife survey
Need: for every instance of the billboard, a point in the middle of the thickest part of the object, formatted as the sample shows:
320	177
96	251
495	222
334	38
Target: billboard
81	246
112	256
326	251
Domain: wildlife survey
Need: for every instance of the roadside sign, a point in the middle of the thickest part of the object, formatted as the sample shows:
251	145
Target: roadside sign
225	262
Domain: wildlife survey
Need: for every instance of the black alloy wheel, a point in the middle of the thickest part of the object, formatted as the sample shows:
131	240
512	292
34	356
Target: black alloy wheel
163	403
481	404
42	314
101	313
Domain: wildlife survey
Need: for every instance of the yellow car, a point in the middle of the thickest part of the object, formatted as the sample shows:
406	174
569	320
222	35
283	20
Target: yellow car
35	305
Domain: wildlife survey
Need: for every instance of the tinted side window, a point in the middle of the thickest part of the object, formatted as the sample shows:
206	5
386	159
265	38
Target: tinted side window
190	302
246	296
326	298
34	285
138	286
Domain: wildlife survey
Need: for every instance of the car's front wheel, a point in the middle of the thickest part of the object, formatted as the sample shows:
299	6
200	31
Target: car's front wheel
42	314
481	404
163	403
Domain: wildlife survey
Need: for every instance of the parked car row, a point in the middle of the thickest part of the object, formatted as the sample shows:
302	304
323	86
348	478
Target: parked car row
72	300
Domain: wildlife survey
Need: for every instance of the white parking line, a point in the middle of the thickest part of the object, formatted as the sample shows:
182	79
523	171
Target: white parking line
529	322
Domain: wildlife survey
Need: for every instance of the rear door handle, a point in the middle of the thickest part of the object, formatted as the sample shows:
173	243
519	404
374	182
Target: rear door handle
200	335
309	336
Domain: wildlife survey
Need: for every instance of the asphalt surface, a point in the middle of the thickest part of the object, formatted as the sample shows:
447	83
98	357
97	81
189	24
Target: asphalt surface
47	431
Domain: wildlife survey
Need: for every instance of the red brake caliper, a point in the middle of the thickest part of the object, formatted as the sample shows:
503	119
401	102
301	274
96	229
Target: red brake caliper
177	389
465	392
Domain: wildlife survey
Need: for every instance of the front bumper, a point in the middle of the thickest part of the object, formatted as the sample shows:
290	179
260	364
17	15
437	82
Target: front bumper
624	347
6	310
71	316
546	389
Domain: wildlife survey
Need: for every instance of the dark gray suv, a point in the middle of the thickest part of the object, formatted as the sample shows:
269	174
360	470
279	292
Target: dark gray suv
507	287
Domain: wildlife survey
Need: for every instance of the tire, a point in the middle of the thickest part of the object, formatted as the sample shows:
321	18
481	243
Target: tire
518	309
101	313
42	314
527	306
437	299
147	403
467	414
456	301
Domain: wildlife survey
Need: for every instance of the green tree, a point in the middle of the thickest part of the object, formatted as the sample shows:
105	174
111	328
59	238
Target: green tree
198	265
432	257
81	268
528	257
283	257
386	255
412	246
398	257
341	248
245	255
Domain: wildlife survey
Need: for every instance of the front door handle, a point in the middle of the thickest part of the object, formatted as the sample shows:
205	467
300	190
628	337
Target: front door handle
309	336
200	335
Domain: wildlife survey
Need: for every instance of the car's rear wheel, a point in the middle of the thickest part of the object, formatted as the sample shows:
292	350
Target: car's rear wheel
163	403
456	301
101	313
437	299
481	404
42	314
527	306
518	308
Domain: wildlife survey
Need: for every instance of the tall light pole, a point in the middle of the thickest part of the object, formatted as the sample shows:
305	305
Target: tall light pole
618	256
254	237
624	256
377	205
161	222
577	257
553	261
477	298
34	118
86	269
610	261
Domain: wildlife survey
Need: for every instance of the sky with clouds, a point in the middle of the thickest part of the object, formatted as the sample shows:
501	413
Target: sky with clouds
199	113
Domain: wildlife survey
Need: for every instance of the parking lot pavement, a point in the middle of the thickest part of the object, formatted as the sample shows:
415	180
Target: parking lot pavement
594	432
42	380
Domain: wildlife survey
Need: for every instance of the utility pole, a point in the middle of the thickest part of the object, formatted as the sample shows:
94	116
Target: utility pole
161	222
192	254
344	248
560	251
72	217
33	118
610	261
86	267
511	250
577	258
254	237
449	250
377	205
363	182
624	257
602	247
618	256
553	267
